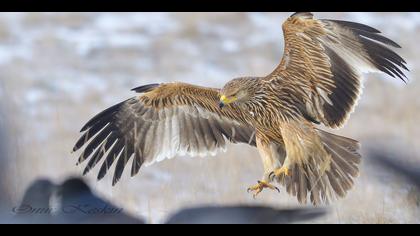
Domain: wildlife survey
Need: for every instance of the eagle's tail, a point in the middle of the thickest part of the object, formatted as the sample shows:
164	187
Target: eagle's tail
325	175
345	160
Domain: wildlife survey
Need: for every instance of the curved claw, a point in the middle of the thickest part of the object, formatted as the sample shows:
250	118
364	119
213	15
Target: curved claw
271	176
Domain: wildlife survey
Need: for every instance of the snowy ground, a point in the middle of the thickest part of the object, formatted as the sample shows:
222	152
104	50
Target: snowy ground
59	69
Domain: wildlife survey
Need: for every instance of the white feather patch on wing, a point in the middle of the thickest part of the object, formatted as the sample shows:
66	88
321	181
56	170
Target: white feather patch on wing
166	140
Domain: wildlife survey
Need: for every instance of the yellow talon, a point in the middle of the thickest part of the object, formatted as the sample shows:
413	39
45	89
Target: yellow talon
260	186
280	171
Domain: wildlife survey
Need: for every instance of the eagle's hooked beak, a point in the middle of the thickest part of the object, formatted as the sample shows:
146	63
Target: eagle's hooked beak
225	101
222	102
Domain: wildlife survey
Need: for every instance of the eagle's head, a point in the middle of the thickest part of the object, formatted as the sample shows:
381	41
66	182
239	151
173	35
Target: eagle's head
238	90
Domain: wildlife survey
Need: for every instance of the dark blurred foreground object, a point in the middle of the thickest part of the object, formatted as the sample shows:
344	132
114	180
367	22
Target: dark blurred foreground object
382	158
76	204
243	215
80	206
35	206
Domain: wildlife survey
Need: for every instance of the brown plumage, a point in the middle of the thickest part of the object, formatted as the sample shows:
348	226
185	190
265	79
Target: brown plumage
318	81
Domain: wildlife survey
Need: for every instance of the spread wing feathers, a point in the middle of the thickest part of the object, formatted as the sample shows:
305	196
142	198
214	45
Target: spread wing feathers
323	62
167	120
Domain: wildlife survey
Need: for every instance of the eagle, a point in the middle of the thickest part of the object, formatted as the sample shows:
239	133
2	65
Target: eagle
317	83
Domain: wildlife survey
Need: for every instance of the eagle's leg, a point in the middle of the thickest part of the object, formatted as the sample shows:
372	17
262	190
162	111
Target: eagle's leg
281	172
270	162
278	173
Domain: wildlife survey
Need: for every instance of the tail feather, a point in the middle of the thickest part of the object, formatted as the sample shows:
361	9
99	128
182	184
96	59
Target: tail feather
345	160
325	177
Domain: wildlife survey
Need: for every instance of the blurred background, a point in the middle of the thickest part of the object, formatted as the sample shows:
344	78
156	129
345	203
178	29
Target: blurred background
57	70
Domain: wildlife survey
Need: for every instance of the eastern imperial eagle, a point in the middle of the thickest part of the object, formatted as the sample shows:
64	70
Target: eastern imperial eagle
317	82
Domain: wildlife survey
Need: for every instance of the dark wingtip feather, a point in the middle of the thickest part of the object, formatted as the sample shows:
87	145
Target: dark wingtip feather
91	132
125	156
356	26
95	143
385	59
85	171
145	88
113	154
115	181
100	152
102	115
367	32
100	176
376	45
378	38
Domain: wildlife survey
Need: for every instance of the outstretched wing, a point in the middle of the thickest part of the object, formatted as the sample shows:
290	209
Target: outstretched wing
166	120
319	76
